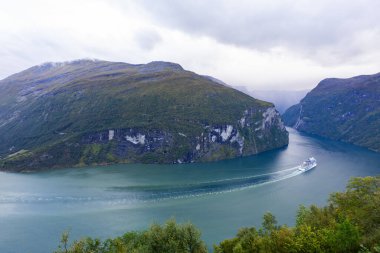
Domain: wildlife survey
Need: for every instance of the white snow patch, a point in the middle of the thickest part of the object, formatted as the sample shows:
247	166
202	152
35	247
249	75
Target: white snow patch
182	134
139	139
234	138
217	130
269	115
111	134
242	122
227	133
198	147
240	140
281	125
213	138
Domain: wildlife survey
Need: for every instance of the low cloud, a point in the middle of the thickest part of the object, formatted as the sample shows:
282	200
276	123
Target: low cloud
285	44
305	27
147	39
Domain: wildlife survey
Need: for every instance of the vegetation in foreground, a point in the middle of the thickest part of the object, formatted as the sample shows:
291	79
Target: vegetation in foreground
171	237
349	223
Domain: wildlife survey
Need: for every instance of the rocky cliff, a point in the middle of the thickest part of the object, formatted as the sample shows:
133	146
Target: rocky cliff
341	109
88	112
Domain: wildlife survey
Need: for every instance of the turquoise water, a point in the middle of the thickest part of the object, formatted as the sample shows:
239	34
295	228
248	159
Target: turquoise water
217	197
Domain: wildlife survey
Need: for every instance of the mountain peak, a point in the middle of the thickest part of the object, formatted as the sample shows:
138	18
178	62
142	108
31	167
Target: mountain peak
162	65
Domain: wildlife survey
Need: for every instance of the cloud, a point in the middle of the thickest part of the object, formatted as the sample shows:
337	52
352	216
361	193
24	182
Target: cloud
147	39
284	44
307	27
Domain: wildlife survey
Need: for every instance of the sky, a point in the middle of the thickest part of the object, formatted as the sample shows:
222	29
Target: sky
262	45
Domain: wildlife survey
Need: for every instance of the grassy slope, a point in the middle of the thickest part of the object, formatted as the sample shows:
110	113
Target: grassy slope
125	96
162	104
342	109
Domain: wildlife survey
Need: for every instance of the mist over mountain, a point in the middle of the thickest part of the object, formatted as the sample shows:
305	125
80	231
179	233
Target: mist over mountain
282	99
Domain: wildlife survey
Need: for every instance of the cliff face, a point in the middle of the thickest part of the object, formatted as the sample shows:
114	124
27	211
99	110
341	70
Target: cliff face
94	112
341	109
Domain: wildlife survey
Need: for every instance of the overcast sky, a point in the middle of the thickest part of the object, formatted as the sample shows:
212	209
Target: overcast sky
284	44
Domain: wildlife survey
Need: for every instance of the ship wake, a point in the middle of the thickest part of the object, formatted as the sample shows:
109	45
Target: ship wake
145	193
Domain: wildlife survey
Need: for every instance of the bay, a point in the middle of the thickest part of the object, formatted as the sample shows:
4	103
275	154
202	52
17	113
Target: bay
219	197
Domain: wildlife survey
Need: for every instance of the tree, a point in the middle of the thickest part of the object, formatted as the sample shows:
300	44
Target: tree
360	203
269	222
170	237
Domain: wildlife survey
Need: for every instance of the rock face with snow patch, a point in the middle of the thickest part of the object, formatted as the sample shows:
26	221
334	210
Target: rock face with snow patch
91	112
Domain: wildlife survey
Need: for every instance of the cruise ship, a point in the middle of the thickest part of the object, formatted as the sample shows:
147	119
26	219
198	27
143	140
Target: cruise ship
308	164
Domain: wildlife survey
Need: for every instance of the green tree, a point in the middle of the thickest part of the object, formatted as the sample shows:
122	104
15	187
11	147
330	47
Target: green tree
269	223
360	203
170	237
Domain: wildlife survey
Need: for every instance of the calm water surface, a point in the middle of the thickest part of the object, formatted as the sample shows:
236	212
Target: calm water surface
217	197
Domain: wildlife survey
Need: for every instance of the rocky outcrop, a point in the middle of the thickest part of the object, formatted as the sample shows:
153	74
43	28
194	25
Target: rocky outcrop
249	135
215	142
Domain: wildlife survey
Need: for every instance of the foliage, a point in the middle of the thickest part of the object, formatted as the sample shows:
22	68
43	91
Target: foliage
170	237
349	223
361	204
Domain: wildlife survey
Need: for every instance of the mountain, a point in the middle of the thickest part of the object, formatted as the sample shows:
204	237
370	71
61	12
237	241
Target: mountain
88	112
341	109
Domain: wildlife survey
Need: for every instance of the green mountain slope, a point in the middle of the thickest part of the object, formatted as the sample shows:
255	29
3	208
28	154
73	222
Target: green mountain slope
341	109
96	112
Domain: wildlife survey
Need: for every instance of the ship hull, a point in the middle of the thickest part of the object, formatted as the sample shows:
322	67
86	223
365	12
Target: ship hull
307	168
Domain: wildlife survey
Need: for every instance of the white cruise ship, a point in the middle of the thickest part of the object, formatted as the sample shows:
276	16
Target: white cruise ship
308	164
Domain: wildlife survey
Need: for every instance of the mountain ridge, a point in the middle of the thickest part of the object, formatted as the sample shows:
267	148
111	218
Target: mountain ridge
87	112
341	109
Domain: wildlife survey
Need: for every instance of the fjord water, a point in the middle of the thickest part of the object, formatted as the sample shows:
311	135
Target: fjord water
217	197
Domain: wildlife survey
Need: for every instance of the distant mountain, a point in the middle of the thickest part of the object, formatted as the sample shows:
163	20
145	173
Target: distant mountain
282	99
341	109
87	112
